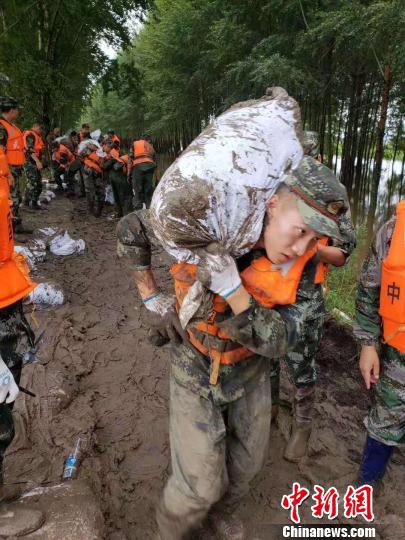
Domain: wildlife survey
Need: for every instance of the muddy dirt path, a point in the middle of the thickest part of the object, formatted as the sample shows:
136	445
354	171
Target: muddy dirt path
98	376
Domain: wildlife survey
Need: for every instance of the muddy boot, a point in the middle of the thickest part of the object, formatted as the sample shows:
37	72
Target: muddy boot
297	445
227	526
17	520
170	527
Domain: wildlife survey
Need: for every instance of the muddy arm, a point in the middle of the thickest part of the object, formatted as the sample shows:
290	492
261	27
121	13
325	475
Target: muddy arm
268	332
135	240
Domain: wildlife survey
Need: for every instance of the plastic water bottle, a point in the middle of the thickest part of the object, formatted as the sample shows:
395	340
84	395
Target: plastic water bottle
73	460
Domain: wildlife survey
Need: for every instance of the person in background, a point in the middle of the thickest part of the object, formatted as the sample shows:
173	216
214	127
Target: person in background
380	330
116	167
300	362
34	153
93	178
84	133
63	160
12	145
112	136
142	165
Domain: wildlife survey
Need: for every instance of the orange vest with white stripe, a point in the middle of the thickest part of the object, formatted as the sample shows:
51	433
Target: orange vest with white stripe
14	279
15	144
392	294
143	152
268	286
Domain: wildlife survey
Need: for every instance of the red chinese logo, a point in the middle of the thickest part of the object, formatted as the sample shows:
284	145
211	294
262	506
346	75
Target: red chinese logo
326	502
359	502
293	502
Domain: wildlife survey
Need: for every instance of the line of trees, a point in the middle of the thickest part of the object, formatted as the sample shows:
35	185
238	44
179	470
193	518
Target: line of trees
344	61
50	54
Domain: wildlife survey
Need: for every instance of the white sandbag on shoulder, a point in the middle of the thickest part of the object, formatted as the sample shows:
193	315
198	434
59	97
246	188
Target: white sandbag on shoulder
217	189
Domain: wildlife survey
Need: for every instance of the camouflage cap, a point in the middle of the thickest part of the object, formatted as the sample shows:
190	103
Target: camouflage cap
8	102
311	143
321	197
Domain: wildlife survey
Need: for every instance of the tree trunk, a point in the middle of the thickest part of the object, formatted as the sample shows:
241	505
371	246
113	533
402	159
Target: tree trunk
379	150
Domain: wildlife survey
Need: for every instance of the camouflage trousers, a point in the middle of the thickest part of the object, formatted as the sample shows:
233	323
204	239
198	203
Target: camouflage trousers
16	338
34	183
95	189
300	362
16	190
216	451
386	419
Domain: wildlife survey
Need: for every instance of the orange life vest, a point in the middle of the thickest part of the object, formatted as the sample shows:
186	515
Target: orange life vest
38	144
15	144
14	279
392	295
122	159
143	152
93	161
4	168
262	280
115	153
63	150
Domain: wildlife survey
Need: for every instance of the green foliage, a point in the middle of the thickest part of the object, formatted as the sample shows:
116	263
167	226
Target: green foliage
50	50
193	59
342	282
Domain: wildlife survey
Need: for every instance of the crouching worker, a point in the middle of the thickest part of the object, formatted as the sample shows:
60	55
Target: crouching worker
116	167
380	329
220	392
16	338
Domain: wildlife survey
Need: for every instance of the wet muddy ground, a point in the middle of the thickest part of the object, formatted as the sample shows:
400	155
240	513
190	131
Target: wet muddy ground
99	377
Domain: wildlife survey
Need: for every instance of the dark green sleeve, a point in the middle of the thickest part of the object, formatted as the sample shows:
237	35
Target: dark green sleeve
108	164
267	332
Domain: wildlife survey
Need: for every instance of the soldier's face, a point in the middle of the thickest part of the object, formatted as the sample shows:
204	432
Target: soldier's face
286	235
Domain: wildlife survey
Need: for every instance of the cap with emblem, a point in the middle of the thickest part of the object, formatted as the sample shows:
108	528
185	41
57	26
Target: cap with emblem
7	102
321	198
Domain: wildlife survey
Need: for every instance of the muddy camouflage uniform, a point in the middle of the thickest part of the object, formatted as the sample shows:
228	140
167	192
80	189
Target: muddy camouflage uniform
386	419
34	177
16	190
207	422
16	339
219	433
